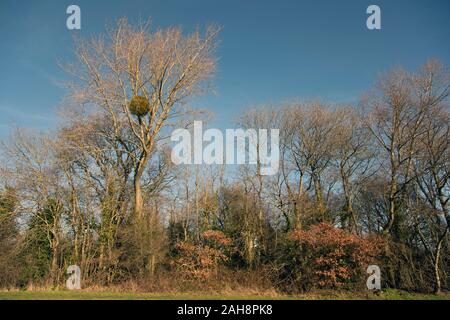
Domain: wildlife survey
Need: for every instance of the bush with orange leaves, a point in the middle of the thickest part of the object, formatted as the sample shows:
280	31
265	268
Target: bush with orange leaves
201	261
216	239
327	257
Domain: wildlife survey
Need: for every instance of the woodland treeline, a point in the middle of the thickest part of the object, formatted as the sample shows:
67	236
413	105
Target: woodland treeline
356	185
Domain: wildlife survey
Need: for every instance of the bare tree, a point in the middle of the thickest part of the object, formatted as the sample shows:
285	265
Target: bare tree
38	181
312	147
353	158
253	180
432	169
145	78
97	164
399	106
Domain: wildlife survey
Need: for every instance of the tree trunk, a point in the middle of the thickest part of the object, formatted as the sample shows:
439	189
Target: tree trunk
54	263
392	205
319	195
138	201
138	197
437	278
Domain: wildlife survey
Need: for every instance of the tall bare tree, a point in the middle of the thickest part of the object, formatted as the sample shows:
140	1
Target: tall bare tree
146	78
353	157
399	106
432	168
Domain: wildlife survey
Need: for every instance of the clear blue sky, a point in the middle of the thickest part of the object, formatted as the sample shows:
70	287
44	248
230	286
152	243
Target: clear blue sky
270	51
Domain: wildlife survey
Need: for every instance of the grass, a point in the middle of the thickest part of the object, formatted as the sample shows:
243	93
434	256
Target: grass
108	295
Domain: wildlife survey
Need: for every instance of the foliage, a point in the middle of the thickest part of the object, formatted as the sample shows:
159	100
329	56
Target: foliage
8	236
139	106
36	252
330	257
201	261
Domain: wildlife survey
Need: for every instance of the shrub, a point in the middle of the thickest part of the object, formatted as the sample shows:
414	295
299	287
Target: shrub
216	239
328	257
201	261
